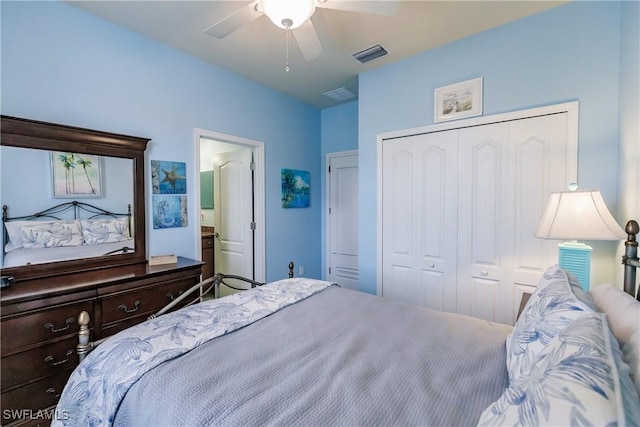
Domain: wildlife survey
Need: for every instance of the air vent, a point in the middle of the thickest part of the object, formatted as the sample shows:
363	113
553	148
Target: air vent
370	54
340	94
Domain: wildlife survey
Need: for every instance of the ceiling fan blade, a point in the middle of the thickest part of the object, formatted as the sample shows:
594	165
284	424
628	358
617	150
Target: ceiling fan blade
232	22
308	40
378	7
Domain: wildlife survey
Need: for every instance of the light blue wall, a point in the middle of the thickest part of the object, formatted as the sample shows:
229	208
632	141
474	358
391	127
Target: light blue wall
568	53
629	185
339	132
63	65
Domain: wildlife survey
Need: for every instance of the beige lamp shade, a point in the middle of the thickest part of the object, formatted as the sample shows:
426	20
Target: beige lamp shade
578	215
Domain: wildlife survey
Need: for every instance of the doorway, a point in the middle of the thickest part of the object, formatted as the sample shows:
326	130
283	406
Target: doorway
235	209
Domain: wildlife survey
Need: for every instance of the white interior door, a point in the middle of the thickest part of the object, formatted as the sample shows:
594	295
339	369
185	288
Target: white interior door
343	220
233	213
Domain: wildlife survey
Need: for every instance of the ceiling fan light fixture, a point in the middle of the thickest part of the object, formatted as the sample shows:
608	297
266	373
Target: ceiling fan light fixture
288	14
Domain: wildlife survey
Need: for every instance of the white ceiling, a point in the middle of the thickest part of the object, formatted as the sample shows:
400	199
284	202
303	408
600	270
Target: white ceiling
257	50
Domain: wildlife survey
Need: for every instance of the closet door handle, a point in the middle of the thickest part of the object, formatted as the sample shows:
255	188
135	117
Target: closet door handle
485	273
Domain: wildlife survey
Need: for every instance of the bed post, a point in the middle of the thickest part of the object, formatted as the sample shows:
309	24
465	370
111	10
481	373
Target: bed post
84	346
630	259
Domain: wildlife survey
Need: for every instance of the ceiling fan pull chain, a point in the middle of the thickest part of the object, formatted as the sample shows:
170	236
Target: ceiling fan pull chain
288	37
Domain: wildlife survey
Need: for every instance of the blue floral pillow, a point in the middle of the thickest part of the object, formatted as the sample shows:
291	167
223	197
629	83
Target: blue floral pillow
578	379
550	309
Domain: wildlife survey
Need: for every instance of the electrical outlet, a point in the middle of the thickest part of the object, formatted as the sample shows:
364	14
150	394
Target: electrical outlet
301	271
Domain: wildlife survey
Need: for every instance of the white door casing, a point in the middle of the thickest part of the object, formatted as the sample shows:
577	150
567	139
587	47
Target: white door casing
257	147
342	218
506	166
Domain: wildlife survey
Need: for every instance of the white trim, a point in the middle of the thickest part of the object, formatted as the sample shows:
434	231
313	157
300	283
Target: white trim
572	108
259	193
327	204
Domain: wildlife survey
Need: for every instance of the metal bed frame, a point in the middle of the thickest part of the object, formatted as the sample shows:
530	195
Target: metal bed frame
55	213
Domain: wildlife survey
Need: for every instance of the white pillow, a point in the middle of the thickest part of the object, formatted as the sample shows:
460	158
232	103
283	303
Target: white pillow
623	312
622	309
51	234
577	379
99	231
550	309
631	356
13	230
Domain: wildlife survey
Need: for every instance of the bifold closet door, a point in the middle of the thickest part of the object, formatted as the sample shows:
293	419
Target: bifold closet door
419	217
507	171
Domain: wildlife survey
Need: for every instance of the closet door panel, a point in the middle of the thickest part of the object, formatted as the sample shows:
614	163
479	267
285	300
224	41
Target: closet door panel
420	223
540	151
484	197
486	297
399	252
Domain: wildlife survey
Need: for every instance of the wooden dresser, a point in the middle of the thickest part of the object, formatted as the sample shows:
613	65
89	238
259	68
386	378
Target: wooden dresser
208	269
39	326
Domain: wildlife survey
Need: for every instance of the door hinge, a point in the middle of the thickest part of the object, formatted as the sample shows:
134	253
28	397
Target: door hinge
329	211
252	166
253	225
329	270
329	168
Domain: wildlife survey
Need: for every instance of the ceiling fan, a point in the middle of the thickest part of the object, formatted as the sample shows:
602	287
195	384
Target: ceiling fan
294	17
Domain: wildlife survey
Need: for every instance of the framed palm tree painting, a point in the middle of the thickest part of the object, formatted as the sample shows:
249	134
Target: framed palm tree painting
76	175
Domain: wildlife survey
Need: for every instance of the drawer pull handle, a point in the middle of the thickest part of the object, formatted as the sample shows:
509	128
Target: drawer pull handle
49	359
171	297
52	328
52	390
136	306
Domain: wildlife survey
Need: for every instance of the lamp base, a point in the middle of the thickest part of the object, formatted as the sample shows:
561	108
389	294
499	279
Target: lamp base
575	257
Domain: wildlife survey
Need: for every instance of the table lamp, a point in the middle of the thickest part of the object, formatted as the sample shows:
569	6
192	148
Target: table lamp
578	215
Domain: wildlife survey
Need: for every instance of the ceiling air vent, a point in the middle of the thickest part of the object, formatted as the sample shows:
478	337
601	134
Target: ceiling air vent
370	54
340	94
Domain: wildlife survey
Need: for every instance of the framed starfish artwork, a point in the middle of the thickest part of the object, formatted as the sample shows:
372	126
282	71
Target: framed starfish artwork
168	177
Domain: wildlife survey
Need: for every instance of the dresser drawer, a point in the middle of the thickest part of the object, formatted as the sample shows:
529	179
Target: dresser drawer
41	326
143	302
26	402
42	362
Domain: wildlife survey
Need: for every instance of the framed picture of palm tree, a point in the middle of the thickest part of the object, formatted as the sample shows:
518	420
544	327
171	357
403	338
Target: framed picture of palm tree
76	175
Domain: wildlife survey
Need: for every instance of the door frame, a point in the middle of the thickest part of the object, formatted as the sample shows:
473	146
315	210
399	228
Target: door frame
571	108
327	203
258	194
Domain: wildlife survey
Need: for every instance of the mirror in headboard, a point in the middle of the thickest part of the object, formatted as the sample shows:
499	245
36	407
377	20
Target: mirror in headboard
29	151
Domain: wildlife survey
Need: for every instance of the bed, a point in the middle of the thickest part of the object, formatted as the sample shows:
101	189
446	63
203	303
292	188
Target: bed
66	231
306	352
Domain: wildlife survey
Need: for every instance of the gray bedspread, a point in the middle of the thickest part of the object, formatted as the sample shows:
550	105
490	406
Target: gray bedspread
338	358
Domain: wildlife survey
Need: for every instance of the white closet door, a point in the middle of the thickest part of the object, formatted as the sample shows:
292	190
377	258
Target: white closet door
507	171
485	202
540	166
419	219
